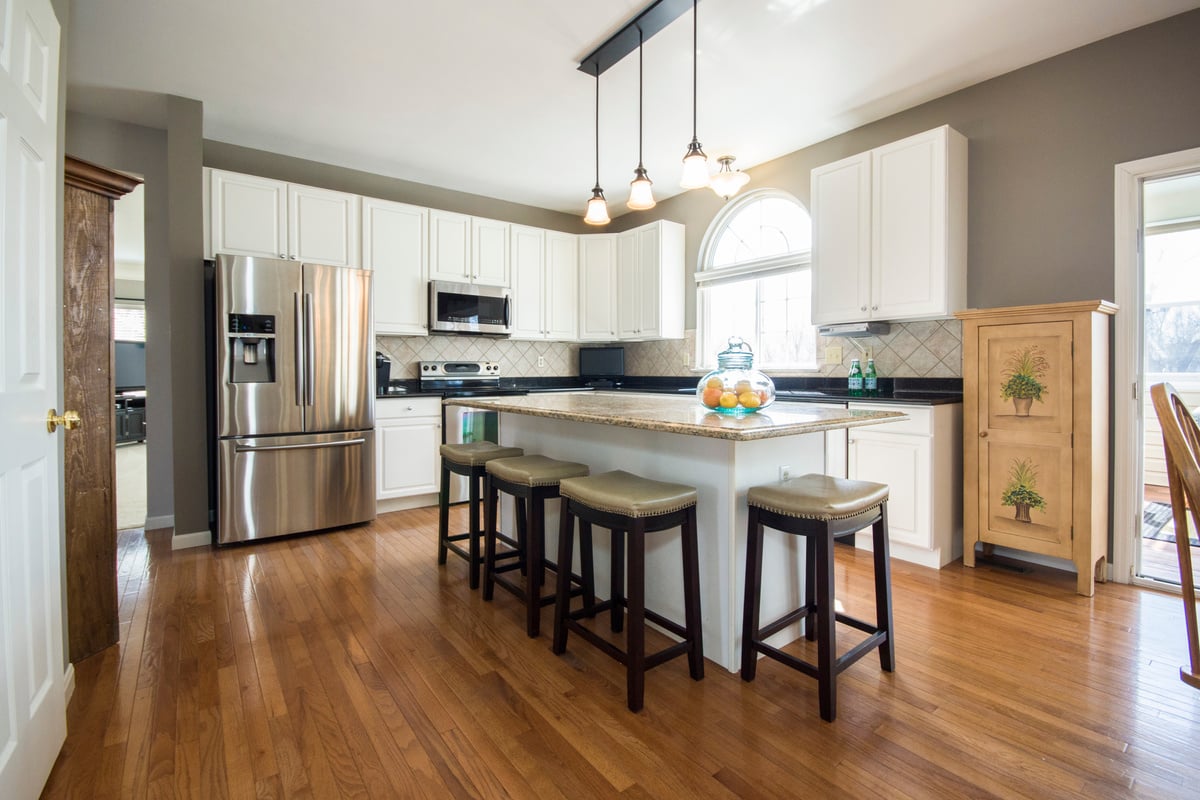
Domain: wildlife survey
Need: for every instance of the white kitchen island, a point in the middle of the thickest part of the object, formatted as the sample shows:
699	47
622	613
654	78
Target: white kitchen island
676	439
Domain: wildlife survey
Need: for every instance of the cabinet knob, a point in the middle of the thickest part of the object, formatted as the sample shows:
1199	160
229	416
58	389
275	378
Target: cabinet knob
283	255
983	434
874	308
864	308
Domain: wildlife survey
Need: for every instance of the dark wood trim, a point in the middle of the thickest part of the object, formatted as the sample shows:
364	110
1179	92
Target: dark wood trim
94	178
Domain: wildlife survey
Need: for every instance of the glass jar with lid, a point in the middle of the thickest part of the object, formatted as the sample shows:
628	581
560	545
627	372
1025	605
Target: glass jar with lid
735	387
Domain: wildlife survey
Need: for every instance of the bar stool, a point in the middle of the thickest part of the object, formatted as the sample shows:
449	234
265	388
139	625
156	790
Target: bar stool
819	508
631	506
531	480
468	459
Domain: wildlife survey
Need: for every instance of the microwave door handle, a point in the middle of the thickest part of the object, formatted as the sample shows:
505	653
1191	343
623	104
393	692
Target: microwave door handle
299	347
507	310
310	378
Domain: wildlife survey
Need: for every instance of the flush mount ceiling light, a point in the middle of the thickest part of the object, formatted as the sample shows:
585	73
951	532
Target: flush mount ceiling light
695	162
640	195
597	206
728	181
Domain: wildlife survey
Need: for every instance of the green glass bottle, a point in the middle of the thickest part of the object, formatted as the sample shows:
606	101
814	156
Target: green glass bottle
855	381
870	379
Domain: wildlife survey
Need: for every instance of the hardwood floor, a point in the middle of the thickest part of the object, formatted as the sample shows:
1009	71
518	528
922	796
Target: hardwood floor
350	665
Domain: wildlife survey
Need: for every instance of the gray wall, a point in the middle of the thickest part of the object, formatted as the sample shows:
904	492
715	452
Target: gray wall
296	170
1043	143
132	148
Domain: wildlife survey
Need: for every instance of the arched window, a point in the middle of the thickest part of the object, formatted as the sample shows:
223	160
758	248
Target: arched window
754	281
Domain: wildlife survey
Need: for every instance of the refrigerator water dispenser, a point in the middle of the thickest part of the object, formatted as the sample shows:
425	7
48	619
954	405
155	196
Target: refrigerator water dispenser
251	348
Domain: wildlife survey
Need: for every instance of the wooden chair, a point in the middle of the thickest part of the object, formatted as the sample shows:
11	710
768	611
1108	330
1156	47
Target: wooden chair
1181	440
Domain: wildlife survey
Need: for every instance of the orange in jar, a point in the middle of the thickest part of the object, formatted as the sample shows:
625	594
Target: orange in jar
711	397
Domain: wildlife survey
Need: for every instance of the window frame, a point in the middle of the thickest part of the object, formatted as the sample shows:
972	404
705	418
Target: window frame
706	275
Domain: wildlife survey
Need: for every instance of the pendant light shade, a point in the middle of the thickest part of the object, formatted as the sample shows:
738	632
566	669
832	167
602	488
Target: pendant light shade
728	181
695	162
597	206
640	195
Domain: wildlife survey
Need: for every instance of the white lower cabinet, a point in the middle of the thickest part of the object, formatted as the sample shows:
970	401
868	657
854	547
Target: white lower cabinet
408	436
920	459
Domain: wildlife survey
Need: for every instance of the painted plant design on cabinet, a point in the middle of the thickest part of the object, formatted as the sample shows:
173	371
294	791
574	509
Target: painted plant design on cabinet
1021	491
1024	373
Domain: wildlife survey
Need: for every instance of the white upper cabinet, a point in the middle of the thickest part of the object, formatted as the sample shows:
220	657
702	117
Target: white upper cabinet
544	265
396	249
323	226
890	231
650	282
598	287
252	216
489	252
468	249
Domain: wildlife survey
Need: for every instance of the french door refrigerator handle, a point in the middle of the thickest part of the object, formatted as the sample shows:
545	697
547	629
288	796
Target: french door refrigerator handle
307	446
299	346
309	333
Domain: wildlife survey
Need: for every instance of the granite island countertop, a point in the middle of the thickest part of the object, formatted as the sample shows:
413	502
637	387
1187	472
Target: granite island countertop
682	415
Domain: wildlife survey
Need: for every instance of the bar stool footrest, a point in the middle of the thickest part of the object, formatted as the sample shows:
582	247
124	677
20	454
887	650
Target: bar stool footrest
787	619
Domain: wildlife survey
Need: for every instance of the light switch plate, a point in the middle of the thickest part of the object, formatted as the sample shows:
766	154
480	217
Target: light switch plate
833	355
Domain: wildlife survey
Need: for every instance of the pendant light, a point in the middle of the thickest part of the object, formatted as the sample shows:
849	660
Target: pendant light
695	162
597	206
640	195
728	181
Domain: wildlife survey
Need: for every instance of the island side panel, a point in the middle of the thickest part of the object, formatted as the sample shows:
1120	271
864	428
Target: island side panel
722	471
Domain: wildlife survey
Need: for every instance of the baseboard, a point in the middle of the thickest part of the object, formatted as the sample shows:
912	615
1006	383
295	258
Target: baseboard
69	683
182	541
405	503
158	523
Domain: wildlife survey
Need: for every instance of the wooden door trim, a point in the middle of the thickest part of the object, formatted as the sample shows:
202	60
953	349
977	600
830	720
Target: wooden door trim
99	180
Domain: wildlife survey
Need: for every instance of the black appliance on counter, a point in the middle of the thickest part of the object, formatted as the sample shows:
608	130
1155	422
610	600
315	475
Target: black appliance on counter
601	367
383	372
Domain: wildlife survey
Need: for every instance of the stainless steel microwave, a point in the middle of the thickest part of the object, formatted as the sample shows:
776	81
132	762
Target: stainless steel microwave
468	308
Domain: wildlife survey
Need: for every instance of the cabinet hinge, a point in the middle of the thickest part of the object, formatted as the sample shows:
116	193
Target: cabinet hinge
1135	397
1072	439
1072	533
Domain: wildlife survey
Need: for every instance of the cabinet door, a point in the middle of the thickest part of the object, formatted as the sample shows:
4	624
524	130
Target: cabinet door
449	246
650	278
395	250
908	247
407	461
597	287
323	226
528	257
904	464
489	252
629	286
248	215
561	309
1024	429
841	223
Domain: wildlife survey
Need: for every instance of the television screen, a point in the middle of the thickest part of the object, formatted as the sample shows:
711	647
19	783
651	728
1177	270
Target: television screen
602	362
130	372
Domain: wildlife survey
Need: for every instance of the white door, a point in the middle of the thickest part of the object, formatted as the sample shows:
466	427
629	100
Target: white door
650	278
629	286
903	463
449	246
841	248
597	287
395	249
249	215
323	226
32	705
562	270
528	255
489	252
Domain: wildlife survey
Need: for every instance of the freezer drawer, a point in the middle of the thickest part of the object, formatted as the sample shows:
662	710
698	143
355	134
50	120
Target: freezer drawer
270	486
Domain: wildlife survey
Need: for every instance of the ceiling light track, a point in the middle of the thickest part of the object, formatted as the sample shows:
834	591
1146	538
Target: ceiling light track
653	19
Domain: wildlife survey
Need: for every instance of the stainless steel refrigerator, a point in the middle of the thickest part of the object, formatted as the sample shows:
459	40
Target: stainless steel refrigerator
294	397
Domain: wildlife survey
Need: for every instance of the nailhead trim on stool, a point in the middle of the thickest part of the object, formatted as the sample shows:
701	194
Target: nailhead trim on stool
470	460
819	508
641	506
531	481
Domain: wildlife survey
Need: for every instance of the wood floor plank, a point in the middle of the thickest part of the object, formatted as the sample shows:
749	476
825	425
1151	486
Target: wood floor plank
349	664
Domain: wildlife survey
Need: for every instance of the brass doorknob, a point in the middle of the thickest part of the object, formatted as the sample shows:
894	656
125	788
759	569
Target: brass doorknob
68	419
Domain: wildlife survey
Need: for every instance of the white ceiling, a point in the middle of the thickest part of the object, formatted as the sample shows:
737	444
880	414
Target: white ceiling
483	96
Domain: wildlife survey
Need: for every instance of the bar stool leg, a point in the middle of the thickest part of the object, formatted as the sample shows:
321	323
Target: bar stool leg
810	587
617	583
826	629
474	561
491	497
586	567
533	549
754	545
562	597
522	522
883	589
691	595
443	512
635	673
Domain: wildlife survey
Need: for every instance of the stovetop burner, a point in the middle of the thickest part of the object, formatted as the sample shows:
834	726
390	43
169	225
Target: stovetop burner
460	377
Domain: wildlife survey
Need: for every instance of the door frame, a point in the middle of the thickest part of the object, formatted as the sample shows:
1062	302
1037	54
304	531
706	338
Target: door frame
1128	383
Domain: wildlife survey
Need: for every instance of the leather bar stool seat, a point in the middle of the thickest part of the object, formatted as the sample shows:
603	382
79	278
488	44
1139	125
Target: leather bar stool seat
531	480
469	460
631	507
819	508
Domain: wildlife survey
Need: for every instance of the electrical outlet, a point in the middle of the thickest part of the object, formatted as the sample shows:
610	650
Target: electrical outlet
541	362
785	473
833	355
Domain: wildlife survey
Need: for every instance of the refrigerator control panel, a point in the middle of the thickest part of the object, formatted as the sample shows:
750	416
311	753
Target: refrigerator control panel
260	324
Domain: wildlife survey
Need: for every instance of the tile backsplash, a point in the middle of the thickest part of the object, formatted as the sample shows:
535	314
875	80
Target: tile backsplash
929	349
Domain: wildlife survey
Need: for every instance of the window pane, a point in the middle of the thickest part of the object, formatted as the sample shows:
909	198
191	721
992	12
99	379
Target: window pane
1173	267
772	226
787	337
728	311
129	321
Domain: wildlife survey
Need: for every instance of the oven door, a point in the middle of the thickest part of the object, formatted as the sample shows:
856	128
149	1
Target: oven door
467	308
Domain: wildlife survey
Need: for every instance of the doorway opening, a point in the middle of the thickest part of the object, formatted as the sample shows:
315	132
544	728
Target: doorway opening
129	361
